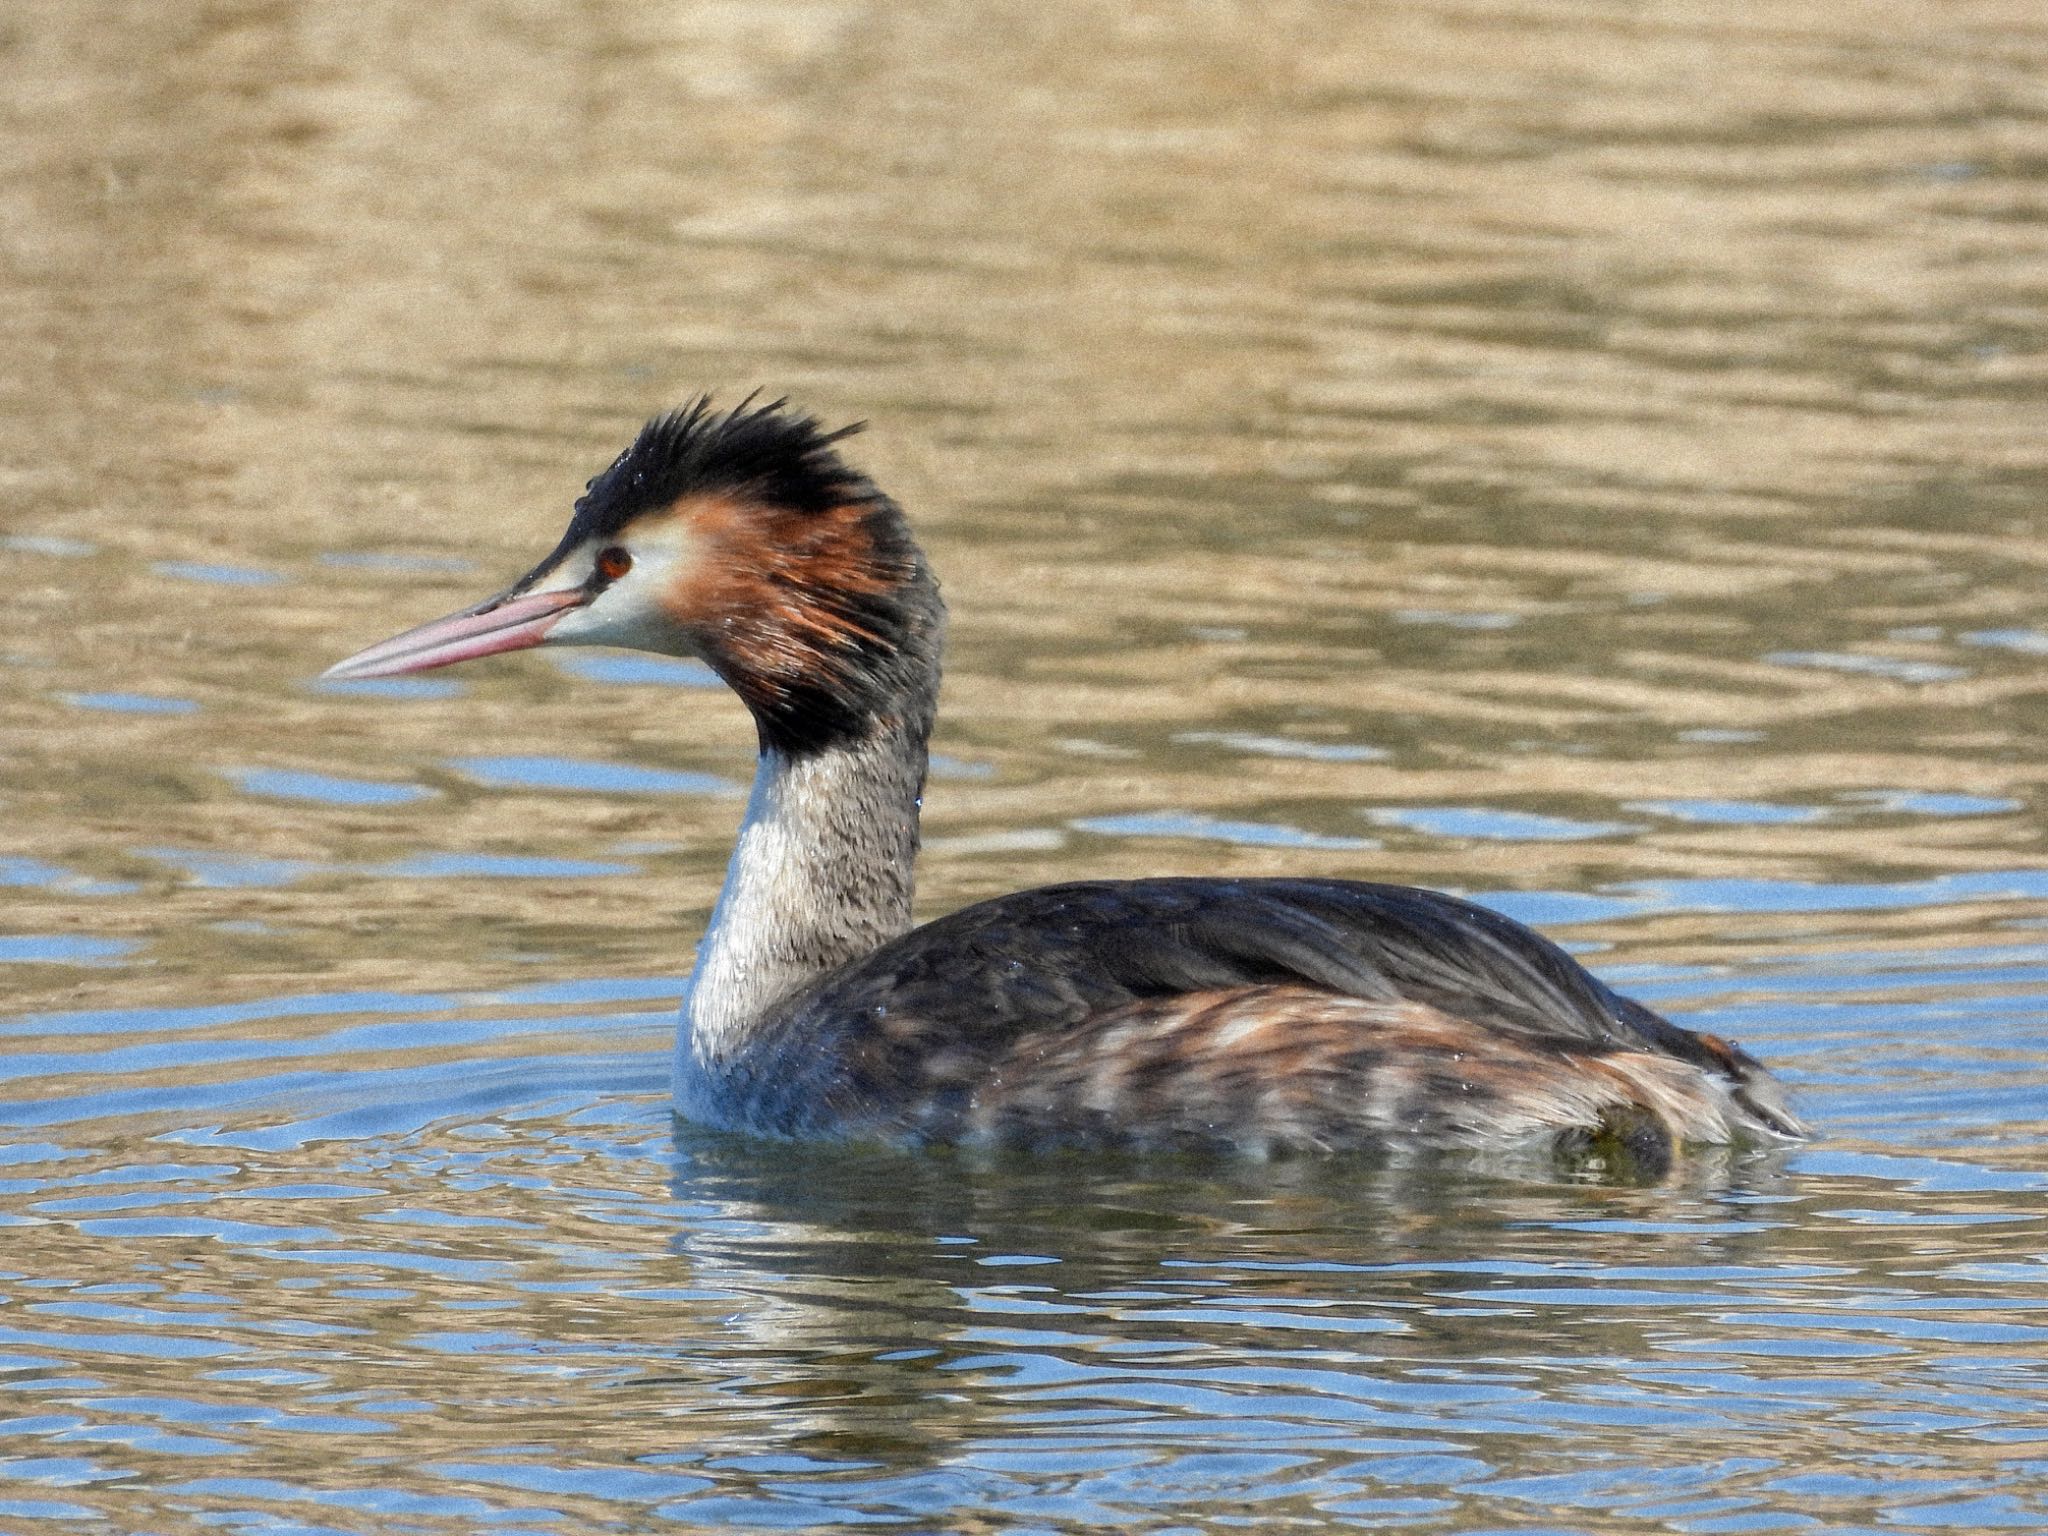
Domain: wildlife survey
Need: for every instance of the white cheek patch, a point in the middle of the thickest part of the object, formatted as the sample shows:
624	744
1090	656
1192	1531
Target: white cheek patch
630	612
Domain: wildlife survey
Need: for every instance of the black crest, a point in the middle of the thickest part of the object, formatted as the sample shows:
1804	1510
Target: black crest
767	452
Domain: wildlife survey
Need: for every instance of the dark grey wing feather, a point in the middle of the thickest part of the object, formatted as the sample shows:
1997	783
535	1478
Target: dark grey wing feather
949	997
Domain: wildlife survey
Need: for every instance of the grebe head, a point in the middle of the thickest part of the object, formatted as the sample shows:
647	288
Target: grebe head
741	538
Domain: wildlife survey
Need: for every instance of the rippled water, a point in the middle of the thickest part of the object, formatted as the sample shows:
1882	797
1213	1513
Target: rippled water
1587	456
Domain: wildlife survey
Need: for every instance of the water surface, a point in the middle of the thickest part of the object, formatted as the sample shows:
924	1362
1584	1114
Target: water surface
1586	456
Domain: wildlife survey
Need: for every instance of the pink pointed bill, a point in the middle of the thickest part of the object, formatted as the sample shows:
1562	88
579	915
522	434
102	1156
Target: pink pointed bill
501	624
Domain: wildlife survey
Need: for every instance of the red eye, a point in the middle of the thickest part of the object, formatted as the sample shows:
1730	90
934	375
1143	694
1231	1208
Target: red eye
613	563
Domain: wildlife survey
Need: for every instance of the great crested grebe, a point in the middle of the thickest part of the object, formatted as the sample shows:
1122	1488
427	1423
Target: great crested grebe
1260	1015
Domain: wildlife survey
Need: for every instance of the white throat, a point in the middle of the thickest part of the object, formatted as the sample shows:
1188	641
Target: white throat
821	875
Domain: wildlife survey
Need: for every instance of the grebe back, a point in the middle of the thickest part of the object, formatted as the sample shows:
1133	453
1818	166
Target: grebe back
1258	1016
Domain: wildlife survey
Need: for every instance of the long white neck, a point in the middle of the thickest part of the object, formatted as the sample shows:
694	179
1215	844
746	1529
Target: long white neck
821	875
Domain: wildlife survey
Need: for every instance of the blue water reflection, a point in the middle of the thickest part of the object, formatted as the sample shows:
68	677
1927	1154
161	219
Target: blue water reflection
539	772
325	788
637	669
1193	824
61	949
132	703
216	574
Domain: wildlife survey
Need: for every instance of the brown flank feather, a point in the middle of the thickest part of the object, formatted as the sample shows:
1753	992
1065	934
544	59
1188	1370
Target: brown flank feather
1317	1072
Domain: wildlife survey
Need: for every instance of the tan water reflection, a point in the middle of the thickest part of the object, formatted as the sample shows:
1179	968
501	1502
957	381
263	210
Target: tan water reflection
1511	389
